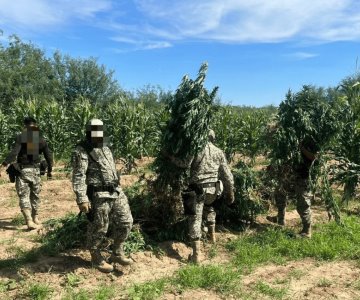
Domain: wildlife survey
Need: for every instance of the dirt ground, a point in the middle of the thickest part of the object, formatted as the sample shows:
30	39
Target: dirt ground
306	279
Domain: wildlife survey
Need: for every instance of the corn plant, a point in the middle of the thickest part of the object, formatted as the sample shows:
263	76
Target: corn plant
347	147
227	126
55	124
5	134
132	129
252	134
81	112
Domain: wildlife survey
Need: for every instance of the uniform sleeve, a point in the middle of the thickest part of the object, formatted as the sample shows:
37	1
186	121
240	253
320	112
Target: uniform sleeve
80	164
48	156
14	152
225	175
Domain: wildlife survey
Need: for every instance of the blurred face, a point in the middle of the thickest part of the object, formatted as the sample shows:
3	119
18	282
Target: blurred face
95	135
30	139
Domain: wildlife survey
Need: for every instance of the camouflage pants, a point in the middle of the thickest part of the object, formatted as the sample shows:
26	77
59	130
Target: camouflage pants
204	211
109	211
28	187
303	196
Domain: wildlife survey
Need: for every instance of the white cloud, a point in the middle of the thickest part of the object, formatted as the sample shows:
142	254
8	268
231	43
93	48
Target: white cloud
156	45
302	55
44	15
256	20
162	22
137	44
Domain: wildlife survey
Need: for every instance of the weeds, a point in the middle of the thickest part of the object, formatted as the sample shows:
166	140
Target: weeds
213	251
18	220
219	278
264	288
323	282
72	280
39	291
149	290
329	242
296	274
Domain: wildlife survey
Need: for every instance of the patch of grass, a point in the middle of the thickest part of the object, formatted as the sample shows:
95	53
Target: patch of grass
149	290
281	280
213	251
65	233
323	282
78	295
18	220
264	288
104	293
3	286
329	242
296	273
356	285
220	278
72	279
135	241
38	291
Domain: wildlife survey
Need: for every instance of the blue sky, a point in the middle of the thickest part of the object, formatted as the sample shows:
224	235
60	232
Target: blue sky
256	49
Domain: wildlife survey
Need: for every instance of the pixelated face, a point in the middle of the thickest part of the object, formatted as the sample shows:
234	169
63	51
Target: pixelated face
30	140
95	134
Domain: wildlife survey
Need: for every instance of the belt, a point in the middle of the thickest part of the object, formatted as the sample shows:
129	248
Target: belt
104	188
29	166
208	184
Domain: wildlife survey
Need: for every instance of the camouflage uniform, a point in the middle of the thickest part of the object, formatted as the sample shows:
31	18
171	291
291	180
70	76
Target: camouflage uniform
28	187
301	191
28	146
95	176
207	168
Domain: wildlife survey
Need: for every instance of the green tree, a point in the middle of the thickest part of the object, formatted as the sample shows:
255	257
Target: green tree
25	72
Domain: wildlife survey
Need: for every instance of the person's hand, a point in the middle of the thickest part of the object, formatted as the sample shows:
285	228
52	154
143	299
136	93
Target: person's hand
84	207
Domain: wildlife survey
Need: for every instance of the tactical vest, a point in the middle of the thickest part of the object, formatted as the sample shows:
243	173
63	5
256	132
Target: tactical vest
101	171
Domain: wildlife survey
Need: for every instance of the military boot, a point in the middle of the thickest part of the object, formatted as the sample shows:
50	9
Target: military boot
279	219
118	255
99	262
196	256
306	231
28	219
212	237
35	217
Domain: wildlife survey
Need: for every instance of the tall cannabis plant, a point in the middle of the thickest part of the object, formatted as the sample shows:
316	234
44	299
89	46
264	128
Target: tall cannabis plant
184	136
306	118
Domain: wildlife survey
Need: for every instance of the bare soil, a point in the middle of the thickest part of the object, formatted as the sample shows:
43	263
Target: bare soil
306	279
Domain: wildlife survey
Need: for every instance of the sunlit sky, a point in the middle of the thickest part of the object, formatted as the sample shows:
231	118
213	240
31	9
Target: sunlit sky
256	49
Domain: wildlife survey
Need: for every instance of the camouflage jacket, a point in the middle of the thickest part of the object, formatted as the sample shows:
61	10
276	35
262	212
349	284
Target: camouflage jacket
95	169
209	165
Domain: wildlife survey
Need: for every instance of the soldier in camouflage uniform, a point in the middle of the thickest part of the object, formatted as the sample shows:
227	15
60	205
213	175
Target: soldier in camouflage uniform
27	149
301	191
210	177
98	192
